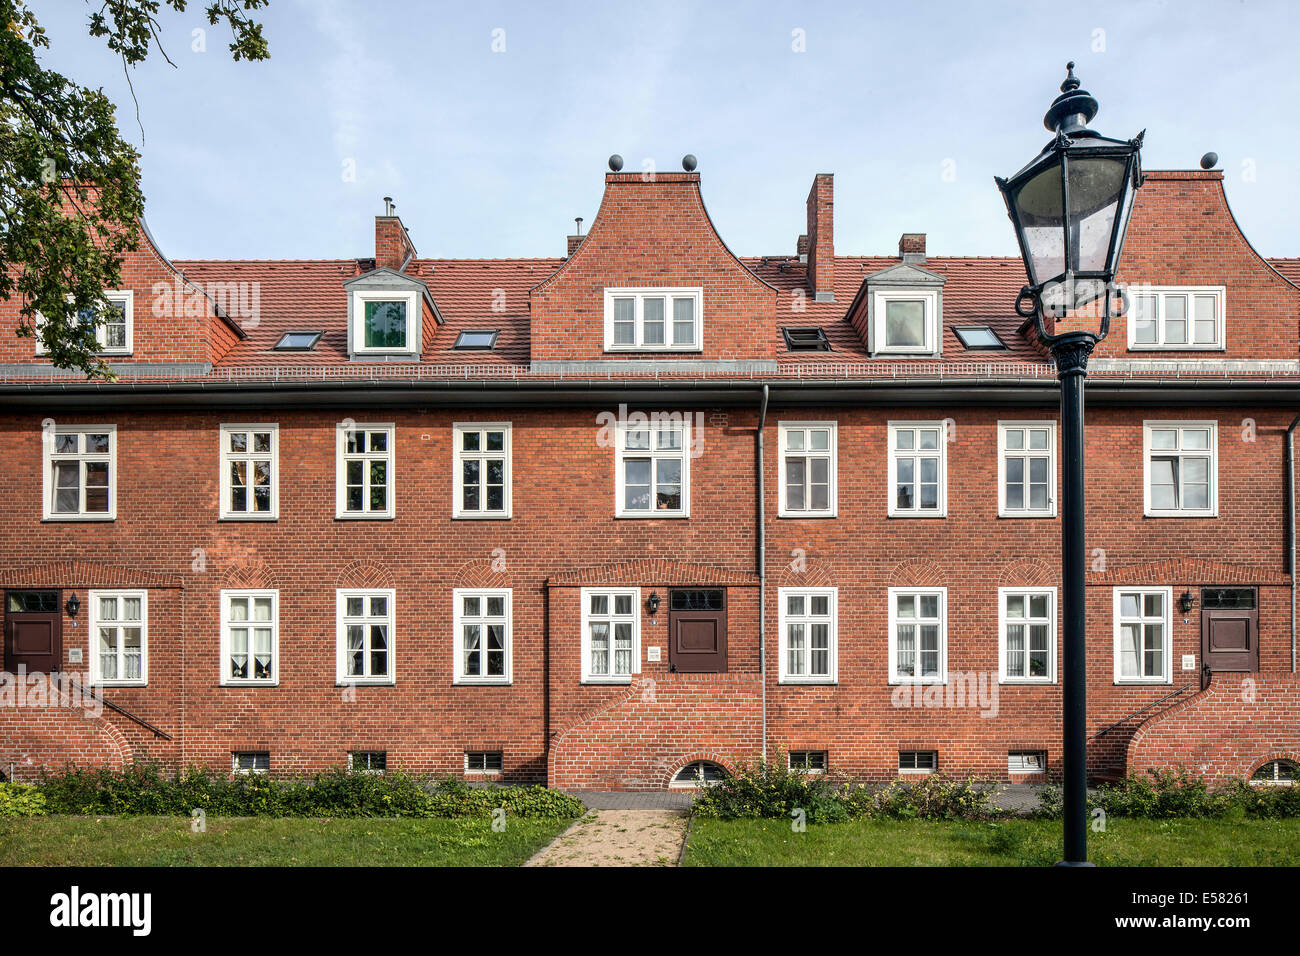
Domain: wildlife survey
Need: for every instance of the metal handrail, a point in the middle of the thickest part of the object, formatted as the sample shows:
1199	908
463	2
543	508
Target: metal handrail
121	710
1124	720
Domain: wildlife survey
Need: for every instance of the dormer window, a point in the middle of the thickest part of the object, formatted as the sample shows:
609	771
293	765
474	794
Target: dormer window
906	322
114	332
1176	319
653	320
385	322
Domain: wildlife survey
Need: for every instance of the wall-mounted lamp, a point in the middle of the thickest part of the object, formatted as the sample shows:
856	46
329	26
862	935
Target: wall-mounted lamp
72	606
652	603
1186	602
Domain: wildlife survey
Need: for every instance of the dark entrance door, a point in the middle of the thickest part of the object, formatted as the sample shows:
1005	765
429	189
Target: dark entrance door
697	629
1230	629
33	631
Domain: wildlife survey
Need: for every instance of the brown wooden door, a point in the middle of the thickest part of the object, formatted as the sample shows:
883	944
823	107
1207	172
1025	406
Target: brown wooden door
33	631
1229	634
697	631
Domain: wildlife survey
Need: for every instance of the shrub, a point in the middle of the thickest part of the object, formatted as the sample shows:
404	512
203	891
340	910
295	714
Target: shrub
772	790
145	790
1165	794
21	800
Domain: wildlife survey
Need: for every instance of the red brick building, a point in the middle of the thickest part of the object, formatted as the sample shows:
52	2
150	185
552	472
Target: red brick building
592	520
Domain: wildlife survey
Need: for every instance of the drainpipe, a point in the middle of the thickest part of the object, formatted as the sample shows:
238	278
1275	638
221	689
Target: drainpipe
1289	518
762	568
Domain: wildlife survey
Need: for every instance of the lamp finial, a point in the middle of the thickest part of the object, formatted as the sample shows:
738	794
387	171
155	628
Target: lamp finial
1071	81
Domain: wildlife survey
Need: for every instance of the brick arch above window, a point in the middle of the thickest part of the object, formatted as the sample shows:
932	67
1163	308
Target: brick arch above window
364	574
85	574
654	571
803	572
1182	569
917	574
488	573
1027	574
679	763
248	572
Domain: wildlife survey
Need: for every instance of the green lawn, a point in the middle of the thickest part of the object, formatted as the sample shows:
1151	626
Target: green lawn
258	841
1009	843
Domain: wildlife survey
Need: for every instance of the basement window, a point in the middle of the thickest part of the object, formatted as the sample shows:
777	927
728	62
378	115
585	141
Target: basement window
483	340
1275	773
297	341
483	761
251	761
1027	761
368	761
701	773
918	761
806	340
978	338
809	761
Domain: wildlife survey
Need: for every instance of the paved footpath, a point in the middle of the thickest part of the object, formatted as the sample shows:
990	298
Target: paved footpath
619	837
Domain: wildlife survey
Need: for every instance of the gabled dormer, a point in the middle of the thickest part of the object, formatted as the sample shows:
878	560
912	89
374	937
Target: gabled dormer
391	313
899	310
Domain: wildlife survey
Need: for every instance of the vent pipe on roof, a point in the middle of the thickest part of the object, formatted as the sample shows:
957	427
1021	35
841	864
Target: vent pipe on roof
388	206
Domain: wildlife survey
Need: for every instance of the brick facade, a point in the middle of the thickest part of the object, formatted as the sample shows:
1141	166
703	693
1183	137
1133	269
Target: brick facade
563	534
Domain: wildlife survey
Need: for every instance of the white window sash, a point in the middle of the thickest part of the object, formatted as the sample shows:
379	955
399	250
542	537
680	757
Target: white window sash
654	454
880	306
940	621
1180	453
639	294
343	456
1026	453
1141	620
785	620
1162	294
458	458
1005	620
51	458
414	319
249	457
227	624
119	624
123	297
365	620
482	619
807	454
610	675
916	453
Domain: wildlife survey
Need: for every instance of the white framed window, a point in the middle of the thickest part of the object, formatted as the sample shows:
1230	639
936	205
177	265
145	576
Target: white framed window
1027	469
1188	318
1276	773
368	761
363	482
119	638
807	478
364	635
384	322
918	761
483	761
250	637
115	333
1143	628
481	470
80	473
807	623
906	322
1027	629
481	621
1181	469
250	761
250	472
611	635
918	472
652	319
652	477
918	635
807	761
1026	761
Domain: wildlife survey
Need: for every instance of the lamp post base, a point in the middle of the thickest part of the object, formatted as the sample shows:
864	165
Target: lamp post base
1083	863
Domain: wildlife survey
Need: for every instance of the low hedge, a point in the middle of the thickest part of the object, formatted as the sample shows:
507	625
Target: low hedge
1166	794
146	790
21	800
772	790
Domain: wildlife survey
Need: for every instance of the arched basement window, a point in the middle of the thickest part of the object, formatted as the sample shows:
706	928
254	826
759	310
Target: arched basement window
699	773
1276	773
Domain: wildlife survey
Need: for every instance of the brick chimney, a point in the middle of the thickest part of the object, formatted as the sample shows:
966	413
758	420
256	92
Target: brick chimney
911	247
821	238
574	242
393	245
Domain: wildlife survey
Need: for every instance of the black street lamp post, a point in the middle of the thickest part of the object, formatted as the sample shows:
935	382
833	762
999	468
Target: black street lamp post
1070	207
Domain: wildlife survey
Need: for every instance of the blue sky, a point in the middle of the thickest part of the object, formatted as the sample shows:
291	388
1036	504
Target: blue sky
914	107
